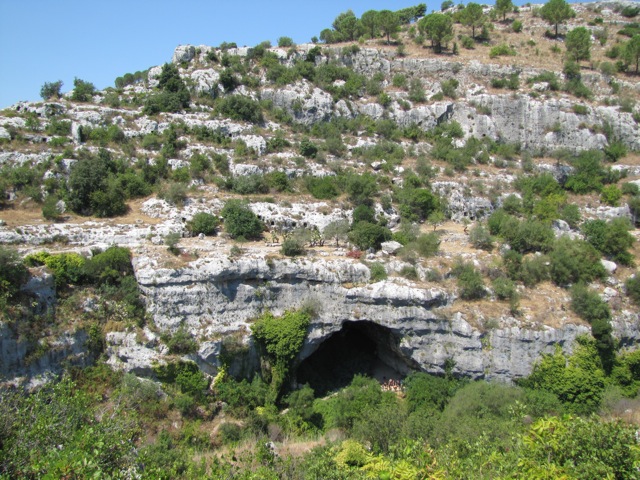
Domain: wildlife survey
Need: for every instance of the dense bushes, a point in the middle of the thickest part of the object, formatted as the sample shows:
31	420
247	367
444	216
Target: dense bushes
574	261
365	235
470	283
612	238
203	223
240	222
173	96
239	107
93	188
280	339
578	383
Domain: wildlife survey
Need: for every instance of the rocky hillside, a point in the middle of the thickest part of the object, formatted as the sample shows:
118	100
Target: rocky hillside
447	202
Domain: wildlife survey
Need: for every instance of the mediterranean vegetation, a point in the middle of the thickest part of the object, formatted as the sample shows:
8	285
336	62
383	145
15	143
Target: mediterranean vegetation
273	159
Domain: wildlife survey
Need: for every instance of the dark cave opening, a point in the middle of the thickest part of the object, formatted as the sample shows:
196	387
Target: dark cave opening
360	347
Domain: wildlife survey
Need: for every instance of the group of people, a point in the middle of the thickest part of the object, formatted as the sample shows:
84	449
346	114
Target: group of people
392	385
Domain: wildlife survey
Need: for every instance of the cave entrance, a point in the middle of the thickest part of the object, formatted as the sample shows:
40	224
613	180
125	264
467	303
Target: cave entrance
358	348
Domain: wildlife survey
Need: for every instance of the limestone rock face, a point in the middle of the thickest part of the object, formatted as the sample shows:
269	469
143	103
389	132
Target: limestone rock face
22	363
216	297
183	53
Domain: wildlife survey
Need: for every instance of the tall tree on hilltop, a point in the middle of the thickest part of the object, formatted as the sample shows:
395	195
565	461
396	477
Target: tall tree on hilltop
472	16
503	7
346	24
438	28
555	12
389	23
369	22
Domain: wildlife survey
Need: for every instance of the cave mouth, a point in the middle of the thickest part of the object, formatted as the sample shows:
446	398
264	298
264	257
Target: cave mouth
360	347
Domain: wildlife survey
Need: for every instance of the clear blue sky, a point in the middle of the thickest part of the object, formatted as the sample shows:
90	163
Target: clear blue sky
97	41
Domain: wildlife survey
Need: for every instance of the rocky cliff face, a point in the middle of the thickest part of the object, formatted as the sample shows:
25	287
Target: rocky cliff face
414	324
219	297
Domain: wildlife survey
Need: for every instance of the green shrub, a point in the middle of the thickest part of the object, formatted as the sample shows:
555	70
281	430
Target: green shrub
230	433
527	235
250	184
426	245
93	189
82	91
279	181
573	261
615	151
67	268
203	222
449	87
588	174
59	127
548	77
285	42
13	272
534	270
631	189
516	26
363	213
632	286
292	247
467	42
501	50
578	383
152	141
611	238
416	204
322	188
416	91
239	107
242	396
479	407
240	221
588	304
51	90
610	195
377	272
504	289
307	148
280	340
480	237
367	235
399	80
630	11
361	187
470	283
174	193
110	266
180	342
580	109
50	209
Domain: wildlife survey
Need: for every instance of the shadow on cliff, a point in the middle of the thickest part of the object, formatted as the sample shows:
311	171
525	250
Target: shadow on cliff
361	347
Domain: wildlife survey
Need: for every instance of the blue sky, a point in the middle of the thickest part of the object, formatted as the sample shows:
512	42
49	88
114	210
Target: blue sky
97	41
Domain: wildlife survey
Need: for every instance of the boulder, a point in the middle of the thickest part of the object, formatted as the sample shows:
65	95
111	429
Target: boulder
391	247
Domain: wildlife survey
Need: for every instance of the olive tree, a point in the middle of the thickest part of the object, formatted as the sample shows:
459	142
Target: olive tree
51	90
